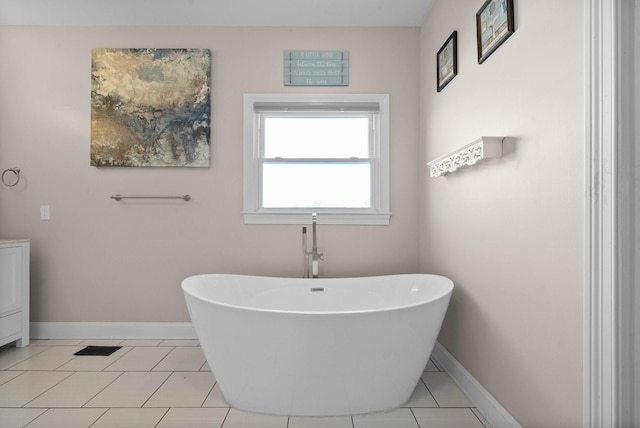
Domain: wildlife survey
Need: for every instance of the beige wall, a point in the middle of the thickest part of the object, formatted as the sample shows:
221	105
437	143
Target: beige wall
509	232
101	260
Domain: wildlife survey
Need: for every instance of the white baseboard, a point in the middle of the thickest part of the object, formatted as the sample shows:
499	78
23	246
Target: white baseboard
492	411
112	330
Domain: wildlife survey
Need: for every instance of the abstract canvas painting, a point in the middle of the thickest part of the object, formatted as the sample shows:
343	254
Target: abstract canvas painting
150	107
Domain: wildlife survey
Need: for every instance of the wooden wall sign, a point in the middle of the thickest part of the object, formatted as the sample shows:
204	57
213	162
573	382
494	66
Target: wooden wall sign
316	68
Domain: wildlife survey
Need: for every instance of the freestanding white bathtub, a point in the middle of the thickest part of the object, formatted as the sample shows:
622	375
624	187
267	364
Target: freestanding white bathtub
317	347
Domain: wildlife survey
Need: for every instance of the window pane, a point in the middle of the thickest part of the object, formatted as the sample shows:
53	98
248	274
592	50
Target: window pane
316	137
316	185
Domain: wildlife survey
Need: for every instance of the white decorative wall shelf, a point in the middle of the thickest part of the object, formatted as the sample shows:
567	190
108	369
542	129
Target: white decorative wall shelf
469	154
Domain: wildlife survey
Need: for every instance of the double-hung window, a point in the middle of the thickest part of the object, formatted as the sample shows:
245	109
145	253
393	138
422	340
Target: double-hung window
325	154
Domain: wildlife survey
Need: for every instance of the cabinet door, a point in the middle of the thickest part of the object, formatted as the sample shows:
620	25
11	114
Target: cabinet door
10	278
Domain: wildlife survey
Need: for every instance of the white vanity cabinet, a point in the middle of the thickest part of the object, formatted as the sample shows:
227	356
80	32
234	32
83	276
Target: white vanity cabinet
14	292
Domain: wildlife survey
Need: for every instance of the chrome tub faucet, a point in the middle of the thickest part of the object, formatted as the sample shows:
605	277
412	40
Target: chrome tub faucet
313	257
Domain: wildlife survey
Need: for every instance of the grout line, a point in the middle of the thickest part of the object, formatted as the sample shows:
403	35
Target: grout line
158	388
163	416
225	417
479	418
435	363
99	417
456	407
476	416
162	359
430	393
130	348
44	410
38	417
414	417
16	377
51	387
127	350
73	357
209	393
28	358
106	386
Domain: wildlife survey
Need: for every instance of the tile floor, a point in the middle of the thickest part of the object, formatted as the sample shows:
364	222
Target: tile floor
167	383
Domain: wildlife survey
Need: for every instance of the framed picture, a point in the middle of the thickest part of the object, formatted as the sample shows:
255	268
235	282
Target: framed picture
447	61
494	25
150	107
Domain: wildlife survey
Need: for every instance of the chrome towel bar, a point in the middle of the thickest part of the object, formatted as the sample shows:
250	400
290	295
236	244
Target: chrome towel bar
120	197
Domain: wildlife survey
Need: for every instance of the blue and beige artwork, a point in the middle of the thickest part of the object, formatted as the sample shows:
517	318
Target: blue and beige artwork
150	107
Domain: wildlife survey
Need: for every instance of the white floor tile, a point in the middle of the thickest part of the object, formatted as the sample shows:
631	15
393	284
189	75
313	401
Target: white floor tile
130	418
56	342
445	391
239	419
141	342
447	418
75	390
17	418
436	364
140	359
421	397
193	418
180	342
399	418
184	358
321	422
6	376
431	367
183	389
24	388
168	383
12	356
131	389
101	342
482	418
38	342
215	398
50	359
66	418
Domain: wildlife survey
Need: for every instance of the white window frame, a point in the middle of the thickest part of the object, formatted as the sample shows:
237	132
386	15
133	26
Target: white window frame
379	212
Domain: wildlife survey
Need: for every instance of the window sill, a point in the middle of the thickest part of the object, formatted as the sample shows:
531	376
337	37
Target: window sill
378	219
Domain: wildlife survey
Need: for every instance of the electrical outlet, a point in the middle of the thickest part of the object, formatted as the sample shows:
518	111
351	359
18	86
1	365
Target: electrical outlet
45	213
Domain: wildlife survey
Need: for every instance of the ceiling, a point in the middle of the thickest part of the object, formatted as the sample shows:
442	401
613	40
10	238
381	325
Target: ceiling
332	13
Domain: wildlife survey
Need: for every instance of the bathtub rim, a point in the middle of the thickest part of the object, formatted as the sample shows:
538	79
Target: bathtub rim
446	294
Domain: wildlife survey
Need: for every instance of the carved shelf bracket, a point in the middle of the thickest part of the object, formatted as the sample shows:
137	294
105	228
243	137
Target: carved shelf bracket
467	155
